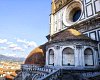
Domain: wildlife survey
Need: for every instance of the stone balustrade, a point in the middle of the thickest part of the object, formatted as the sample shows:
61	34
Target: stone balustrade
52	76
44	69
54	73
91	74
37	72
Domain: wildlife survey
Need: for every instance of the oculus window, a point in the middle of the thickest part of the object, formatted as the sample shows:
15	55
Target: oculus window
76	15
73	13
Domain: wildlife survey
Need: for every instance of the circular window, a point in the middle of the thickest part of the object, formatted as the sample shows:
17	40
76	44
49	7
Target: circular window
76	15
72	13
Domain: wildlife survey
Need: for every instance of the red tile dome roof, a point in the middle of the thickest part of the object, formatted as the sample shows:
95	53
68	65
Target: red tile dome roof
36	56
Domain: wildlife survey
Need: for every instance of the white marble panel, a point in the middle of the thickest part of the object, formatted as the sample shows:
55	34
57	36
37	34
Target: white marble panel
89	10
97	5
55	23
93	35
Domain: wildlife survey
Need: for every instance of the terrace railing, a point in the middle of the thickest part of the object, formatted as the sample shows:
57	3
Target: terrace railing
56	75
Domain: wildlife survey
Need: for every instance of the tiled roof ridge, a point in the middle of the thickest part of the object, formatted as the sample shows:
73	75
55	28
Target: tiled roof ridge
69	34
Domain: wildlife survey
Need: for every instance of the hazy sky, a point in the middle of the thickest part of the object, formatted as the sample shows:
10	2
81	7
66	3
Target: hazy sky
23	25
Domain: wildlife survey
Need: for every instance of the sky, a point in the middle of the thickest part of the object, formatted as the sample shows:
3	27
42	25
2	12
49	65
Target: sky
24	25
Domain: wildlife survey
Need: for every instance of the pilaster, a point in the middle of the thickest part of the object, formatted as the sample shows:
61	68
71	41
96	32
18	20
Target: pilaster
78	56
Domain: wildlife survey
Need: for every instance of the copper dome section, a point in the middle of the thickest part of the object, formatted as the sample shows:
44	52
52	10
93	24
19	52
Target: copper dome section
36	56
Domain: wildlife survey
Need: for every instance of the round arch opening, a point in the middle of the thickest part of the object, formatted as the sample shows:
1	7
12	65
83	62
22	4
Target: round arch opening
88	57
68	57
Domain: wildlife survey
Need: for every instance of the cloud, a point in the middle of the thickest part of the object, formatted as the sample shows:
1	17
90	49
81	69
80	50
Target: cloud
18	49
22	41
3	48
15	47
2	41
31	44
9	43
27	43
10	54
5	41
25	46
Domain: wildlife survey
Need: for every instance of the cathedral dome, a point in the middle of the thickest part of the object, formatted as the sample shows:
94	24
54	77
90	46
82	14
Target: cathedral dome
36	56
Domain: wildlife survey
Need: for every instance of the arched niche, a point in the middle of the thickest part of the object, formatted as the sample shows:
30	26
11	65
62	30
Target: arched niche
51	57
88	57
68	57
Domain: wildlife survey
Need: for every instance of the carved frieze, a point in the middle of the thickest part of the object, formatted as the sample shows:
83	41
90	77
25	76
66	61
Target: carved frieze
88	25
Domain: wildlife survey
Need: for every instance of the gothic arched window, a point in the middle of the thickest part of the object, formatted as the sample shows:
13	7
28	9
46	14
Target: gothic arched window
68	57
51	57
88	57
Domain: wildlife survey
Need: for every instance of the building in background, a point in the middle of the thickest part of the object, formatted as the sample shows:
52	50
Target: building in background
73	48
